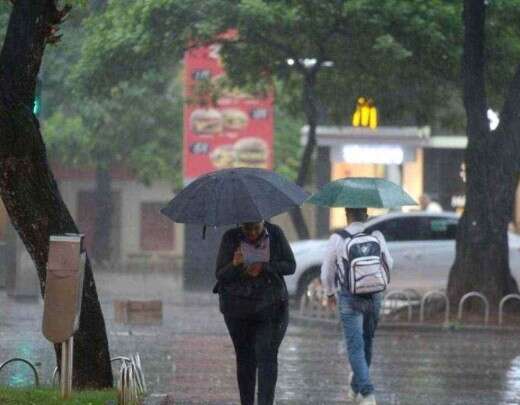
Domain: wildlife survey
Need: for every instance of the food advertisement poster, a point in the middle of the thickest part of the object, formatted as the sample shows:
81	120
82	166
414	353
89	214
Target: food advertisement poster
237	131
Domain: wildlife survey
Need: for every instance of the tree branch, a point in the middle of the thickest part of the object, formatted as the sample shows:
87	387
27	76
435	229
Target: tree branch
475	102
287	50
311	113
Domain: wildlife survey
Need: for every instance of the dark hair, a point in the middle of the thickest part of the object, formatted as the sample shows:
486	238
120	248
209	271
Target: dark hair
251	224
357	214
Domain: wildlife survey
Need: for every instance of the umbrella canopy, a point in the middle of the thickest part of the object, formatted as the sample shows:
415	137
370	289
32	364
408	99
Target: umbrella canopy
234	196
362	192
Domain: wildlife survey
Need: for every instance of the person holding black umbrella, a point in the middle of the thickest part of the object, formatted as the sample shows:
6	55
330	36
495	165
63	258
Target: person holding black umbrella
252	261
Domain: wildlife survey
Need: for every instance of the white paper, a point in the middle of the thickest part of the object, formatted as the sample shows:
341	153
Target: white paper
253	254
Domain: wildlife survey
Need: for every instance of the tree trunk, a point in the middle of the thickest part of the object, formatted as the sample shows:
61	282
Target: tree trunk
310	106
482	254
102	247
299	223
27	186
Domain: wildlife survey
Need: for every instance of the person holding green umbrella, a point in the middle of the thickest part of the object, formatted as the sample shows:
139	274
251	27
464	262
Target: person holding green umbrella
356	268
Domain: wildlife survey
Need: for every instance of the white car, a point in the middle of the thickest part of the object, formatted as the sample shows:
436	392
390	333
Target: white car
422	245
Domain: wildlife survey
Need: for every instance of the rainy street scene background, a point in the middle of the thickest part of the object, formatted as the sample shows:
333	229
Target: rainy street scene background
183	184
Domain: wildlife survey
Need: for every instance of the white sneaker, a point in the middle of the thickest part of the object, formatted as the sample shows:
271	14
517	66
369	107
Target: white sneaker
351	395
368	400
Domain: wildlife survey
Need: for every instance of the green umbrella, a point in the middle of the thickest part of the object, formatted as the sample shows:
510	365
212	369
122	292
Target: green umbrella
362	192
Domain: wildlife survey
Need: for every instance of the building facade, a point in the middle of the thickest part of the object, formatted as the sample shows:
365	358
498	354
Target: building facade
138	230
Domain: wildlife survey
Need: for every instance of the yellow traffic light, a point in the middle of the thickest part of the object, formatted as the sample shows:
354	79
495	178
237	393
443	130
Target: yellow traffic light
365	114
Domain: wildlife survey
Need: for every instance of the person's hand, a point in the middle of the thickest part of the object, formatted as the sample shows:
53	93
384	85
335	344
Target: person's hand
330	303
238	258
254	270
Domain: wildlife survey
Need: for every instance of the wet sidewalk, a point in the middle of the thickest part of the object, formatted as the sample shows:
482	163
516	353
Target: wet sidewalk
189	358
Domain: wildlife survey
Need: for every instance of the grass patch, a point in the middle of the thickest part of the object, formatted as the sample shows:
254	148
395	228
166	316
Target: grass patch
50	396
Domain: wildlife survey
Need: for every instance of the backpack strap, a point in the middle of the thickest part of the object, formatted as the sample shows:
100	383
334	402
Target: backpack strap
344	234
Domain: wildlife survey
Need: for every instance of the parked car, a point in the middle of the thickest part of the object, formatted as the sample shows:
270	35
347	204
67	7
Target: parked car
422	245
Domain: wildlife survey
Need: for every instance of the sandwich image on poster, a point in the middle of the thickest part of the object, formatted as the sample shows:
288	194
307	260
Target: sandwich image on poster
234	119
206	121
223	157
251	152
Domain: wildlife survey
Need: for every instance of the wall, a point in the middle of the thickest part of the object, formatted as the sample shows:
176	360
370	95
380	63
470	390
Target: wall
413	175
131	194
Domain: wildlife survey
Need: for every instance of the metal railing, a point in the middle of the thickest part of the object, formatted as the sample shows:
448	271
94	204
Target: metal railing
56	373
131	384
501	306
20	360
430	294
474	294
55	380
311	308
396	294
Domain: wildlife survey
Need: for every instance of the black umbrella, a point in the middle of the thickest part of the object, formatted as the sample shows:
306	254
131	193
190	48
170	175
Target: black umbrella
234	196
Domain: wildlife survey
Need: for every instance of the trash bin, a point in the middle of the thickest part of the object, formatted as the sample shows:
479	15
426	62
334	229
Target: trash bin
63	287
62	299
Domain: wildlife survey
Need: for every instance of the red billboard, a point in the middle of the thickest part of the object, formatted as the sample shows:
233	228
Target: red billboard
236	131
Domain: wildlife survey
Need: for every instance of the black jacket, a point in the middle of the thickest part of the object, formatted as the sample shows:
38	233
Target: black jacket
281	263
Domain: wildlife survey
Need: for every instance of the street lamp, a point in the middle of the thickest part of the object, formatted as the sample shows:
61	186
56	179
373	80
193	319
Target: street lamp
310	62
493	119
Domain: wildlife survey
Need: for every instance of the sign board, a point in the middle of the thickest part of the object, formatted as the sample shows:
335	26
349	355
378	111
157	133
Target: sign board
235	132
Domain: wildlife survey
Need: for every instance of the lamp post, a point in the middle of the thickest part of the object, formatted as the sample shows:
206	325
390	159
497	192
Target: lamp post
309	68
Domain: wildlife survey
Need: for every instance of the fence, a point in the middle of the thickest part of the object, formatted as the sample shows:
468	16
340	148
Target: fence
401	304
19	360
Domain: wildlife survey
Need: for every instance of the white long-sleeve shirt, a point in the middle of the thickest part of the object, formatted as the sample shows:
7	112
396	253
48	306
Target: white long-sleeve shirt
335	251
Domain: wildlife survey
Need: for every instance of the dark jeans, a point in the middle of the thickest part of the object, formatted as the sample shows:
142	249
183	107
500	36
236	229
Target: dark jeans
256	341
